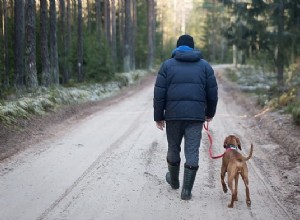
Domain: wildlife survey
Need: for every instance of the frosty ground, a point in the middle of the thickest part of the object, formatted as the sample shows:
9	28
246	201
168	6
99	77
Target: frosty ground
106	160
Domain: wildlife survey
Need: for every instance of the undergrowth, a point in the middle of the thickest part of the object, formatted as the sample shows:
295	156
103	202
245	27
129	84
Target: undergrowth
44	100
263	85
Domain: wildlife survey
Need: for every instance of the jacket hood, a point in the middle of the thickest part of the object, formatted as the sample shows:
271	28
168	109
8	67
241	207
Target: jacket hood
187	55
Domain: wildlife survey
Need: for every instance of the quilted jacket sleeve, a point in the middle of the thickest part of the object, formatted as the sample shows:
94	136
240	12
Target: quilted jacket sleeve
211	92
160	89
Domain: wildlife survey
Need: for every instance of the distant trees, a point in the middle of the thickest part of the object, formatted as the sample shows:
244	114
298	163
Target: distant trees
267	31
50	42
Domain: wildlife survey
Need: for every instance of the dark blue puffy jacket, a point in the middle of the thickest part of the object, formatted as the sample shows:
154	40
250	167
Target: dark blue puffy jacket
185	88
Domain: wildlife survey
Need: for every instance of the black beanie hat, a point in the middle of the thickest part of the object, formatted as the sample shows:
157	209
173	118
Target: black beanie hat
185	40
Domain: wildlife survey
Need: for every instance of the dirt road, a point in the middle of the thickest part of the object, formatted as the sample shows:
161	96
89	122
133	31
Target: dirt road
111	166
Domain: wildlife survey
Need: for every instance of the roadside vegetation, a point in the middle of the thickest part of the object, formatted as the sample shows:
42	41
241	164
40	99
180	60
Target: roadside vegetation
262	84
44	100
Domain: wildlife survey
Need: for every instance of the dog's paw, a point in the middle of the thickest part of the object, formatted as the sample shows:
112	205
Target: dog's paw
225	189
230	205
248	203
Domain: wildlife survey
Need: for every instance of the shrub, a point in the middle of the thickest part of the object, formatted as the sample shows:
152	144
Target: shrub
232	75
296	113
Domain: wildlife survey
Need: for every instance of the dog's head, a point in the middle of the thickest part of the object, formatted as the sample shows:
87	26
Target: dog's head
232	140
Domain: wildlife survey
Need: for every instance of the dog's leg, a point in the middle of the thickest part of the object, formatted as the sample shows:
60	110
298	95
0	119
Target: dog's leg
246	181
223	172
236	186
230	186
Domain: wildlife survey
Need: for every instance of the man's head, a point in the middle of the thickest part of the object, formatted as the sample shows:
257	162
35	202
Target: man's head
185	40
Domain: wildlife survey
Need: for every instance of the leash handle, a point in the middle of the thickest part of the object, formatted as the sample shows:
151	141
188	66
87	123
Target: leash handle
210	142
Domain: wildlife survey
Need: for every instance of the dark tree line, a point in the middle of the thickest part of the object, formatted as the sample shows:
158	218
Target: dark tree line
268	31
53	42
50	42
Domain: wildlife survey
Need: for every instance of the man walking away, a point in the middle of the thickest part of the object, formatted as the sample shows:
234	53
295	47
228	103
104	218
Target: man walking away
185	96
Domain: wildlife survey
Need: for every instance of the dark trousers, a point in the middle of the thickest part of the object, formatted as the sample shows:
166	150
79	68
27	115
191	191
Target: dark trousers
191	132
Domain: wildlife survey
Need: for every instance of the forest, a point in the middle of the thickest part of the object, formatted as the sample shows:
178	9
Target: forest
50	43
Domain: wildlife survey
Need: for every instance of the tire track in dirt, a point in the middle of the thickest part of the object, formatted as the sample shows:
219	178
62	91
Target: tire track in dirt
114	146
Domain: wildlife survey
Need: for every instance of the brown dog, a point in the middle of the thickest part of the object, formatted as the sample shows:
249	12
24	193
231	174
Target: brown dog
234	164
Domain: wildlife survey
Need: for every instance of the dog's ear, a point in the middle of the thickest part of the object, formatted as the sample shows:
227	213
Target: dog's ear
238	143
225	143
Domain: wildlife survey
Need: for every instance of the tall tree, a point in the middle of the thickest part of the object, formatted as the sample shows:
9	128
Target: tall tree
89	15
133	34
53	44
80	44
98	19
127	36
280	56
1	44
68	39
107	21
113	32
19	43
63	42
121	30
151	33
30	56
46	78
6	49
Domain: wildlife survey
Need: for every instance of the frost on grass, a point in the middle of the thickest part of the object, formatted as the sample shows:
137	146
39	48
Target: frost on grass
254	79
43	100
265	87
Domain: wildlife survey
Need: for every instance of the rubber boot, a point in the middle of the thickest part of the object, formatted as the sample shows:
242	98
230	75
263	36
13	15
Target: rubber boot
172	177
188	182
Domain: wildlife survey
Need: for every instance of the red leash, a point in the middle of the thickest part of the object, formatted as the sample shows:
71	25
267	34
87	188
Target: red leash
210	143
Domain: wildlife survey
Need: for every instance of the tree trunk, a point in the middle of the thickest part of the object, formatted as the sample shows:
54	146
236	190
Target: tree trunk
280	45
6	50
98	19
151	33
46	73
1	46
80	44
68	40
30	56
89	14
63	43
133	34
121	29
107	21
234	55
19	43
127	35
113	34
53	44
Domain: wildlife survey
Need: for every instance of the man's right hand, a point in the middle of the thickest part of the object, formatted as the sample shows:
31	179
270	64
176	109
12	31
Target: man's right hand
160	125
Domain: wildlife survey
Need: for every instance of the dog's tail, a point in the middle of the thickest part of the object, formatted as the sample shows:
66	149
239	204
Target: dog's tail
250	154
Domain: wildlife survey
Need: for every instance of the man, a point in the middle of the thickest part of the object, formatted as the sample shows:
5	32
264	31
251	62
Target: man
185	96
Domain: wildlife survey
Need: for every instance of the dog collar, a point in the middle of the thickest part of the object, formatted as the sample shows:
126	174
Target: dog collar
231	147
